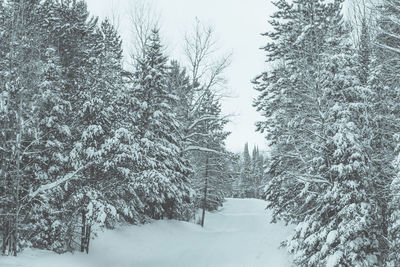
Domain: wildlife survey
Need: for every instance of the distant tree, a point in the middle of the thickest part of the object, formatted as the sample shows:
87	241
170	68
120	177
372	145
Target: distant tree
257	166
246	177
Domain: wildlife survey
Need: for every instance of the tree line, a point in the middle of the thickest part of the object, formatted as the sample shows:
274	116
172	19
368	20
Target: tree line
249	173
330	103
87	142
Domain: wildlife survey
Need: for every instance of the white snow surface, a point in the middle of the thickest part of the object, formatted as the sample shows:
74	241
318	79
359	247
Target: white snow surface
239	234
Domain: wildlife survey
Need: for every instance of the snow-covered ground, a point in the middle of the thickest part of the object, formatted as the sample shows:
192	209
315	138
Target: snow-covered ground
237	235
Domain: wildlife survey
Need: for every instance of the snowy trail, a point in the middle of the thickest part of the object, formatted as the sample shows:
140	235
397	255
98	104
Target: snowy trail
237	235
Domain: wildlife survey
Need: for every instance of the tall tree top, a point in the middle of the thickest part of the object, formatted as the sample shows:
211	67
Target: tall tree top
246	154
112	40
298	26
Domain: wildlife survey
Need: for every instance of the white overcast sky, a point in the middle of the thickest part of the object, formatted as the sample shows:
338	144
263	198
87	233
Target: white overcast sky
238	25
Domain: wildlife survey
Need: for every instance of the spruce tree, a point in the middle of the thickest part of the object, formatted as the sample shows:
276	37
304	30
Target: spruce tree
385	83
162	183
208	159
246	180
315	109
37	134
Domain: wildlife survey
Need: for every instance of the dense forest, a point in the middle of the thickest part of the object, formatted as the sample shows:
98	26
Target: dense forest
330	102
88	141
94	137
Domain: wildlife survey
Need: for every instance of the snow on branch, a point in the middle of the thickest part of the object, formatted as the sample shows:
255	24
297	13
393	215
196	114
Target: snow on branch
54	184
201	119
202	149
393	49
307	178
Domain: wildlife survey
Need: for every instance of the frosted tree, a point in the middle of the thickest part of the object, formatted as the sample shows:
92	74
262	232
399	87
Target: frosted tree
291	102
81	202
121	149
386	83
246	175
250	178
209	161
163	183
198	91
315	109
257	171
325	236
35	138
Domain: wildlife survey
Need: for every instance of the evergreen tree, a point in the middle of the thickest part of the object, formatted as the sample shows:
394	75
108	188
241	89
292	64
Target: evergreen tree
246	179
209	159
251	174
201	128
34	138
315	108
163	183
122	147
364	52
257	172
84	143
385	83
324	236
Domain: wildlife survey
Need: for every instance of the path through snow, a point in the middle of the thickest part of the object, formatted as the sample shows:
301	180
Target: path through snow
237	235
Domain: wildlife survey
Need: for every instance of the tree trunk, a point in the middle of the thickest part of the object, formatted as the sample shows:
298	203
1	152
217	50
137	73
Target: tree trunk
205	194
3	184
3	245
83	231
6	236
13	230
88	232
13	242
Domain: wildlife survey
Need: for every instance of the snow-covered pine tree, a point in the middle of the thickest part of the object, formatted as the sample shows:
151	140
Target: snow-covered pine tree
208	154
257	170
246	178
342	227
33	91
122	146
381	123
385	83
290	102
85	68
163	180
235	170
179	84
108	143
254	158
315	109
43	225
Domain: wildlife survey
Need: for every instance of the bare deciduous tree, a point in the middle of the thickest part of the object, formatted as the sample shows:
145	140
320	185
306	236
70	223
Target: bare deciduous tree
143	18
114	16
206	70
202	54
